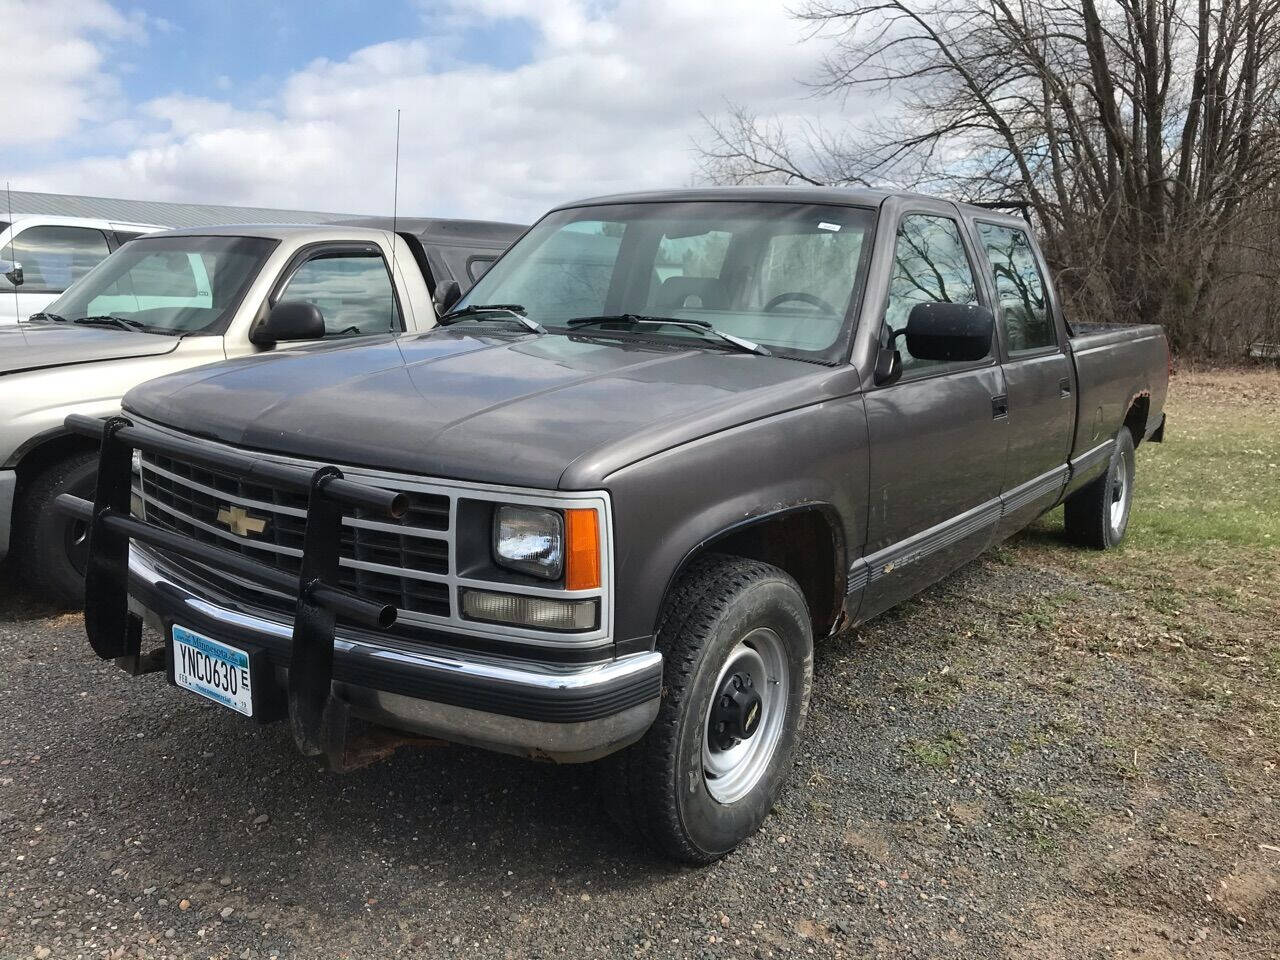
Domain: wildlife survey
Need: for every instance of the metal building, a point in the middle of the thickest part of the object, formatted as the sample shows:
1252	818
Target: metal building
155	211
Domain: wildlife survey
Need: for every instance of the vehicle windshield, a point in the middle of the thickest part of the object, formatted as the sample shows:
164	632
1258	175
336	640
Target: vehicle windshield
175	285
779	274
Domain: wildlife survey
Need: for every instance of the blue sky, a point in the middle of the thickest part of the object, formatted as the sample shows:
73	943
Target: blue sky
241	50
508	106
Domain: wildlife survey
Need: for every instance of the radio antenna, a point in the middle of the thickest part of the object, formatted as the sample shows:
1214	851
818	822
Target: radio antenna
395	208
17	309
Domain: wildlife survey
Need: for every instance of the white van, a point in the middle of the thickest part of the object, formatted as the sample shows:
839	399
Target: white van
40	256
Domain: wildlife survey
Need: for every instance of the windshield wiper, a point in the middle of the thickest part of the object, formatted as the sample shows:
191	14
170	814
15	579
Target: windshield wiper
106	320
507	311
637	320
46	315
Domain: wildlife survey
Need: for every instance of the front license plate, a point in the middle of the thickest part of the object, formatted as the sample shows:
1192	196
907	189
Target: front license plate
212	669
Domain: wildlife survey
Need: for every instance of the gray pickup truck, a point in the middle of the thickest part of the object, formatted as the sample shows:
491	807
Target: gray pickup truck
605	510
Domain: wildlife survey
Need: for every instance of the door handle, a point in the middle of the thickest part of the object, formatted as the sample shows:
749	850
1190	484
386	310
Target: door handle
1064	385
999	406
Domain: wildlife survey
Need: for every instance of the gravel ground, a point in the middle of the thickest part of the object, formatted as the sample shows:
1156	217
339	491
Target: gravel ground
966	789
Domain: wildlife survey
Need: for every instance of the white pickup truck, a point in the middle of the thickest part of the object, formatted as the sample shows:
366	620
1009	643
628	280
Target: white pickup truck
183	298
41	256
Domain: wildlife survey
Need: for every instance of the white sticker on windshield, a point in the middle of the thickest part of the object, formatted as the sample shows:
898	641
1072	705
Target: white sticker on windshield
828	226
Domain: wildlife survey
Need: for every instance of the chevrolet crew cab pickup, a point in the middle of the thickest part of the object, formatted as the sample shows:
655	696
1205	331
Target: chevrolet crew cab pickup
605	511
179	299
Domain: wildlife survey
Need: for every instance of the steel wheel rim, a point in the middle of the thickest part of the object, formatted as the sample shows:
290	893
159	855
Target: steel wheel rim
1120	494
731	774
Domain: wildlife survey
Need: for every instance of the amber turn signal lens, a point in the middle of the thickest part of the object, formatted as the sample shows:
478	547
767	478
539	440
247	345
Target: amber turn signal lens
582	550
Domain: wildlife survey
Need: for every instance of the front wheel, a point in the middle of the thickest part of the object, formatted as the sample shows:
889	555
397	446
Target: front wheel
1097	515
738	647
52	547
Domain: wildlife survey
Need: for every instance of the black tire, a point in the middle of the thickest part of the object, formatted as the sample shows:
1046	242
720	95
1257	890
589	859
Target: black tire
50	545
1088	514
658	788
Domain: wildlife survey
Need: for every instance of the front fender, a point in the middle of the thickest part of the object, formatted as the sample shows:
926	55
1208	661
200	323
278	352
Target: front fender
37	402
670	506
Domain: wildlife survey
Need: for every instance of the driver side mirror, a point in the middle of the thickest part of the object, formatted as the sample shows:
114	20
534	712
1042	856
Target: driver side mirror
289	320
945	332
447	294
12	272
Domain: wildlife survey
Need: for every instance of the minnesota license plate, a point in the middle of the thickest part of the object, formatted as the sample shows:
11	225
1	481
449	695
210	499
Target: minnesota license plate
212	669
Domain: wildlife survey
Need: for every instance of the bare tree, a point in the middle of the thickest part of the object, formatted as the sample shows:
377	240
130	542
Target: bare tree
1144	135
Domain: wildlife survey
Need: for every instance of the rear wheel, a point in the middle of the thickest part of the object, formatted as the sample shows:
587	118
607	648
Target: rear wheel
1097	515
738	648
52	548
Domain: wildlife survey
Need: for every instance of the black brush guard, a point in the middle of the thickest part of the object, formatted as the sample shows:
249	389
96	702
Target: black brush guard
317	717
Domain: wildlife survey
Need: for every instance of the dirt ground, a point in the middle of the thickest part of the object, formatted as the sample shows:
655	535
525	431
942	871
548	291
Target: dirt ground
1051	754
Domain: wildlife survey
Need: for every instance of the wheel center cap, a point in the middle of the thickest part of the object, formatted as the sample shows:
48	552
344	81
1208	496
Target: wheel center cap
737	712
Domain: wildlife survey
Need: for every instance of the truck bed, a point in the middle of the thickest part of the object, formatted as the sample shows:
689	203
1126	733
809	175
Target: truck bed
1116	365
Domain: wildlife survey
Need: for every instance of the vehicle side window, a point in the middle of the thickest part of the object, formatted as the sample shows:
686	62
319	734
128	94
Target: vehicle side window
122	238
54	257
352	290
477	266
1024	313
929	265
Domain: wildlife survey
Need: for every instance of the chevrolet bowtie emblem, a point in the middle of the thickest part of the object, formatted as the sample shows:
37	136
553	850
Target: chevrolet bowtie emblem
240	522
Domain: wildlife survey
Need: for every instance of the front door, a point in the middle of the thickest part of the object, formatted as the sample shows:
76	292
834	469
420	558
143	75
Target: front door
1038	376
938	435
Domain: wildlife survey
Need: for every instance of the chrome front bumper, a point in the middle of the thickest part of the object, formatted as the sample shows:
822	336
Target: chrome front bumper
568	714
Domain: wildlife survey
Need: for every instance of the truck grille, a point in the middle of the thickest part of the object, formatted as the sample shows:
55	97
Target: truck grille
403	562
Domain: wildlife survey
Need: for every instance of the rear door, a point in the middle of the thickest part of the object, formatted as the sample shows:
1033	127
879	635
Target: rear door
1037	372
938	434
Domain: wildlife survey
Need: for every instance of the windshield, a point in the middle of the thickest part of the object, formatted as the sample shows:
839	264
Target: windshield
779	274
172	285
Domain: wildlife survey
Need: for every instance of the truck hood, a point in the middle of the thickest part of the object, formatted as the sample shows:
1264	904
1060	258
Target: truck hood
37	345
526	411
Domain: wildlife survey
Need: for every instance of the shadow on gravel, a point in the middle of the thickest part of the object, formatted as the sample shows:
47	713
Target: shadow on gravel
476	820
192	793
17	601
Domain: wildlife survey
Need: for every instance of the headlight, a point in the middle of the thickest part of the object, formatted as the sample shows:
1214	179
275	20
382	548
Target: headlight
530	540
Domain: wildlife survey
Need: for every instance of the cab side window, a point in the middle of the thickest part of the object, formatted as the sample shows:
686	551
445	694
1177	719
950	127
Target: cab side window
352	290
929	265
1024	313
476	267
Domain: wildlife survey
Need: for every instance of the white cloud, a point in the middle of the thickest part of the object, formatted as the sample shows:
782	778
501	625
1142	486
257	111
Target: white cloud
610	102
52	55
